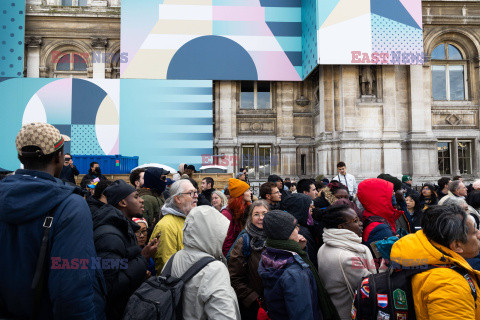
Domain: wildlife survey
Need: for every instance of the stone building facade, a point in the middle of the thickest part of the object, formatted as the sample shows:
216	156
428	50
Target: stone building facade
416	120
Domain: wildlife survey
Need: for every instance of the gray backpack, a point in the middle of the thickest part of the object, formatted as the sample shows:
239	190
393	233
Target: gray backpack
160	298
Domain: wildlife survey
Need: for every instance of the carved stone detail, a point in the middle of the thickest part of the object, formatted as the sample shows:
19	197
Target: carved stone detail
99	43
32	42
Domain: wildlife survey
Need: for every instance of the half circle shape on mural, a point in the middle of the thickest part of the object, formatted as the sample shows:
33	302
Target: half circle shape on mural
212	58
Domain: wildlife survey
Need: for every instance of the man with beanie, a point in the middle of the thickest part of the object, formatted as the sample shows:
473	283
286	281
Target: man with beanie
152	193
28	201
183	198
236	210
123	262
292	286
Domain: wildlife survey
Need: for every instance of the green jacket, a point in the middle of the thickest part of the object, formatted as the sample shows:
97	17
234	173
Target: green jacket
152	203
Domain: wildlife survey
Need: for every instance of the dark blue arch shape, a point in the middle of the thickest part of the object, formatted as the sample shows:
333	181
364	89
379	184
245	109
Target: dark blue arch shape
212	58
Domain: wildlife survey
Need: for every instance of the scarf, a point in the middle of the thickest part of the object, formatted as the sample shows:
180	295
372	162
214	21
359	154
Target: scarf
327	308
344	239
257	235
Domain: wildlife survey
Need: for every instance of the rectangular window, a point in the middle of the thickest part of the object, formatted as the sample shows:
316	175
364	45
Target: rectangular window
439	83
465	157
248	160
67	2
264	163
303	164
255	95
444	163
457	83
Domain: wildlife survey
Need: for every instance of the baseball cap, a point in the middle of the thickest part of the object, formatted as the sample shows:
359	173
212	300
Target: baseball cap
42	135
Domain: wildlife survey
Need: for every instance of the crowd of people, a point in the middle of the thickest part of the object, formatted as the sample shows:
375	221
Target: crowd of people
299	251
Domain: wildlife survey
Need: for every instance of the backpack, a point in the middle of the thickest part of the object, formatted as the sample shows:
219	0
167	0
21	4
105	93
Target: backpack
160	298
246	249
388	295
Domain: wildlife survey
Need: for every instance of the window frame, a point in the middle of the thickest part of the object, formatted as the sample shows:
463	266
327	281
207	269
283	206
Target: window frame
469	158
446	63
450	156
70	73
255	96
257	161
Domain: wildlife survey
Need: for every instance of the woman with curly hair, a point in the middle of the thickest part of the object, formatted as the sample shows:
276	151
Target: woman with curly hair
236	210
428	196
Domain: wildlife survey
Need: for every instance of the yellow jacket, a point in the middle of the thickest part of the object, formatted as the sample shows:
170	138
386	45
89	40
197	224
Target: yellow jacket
440	293
170	241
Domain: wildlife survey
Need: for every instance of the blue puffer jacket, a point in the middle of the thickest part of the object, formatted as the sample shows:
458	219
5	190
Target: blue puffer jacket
289	286
75	293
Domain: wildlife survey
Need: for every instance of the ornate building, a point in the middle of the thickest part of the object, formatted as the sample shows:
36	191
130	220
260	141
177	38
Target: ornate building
416	120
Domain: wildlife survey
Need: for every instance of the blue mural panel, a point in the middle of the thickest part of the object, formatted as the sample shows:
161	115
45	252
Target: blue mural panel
179	125
12	35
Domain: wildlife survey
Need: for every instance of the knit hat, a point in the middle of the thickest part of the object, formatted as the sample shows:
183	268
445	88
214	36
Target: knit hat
278	225
406	178
237	187
42	135
141	220
118	191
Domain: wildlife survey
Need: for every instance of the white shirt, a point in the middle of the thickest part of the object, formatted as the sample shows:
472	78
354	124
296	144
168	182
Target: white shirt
349	181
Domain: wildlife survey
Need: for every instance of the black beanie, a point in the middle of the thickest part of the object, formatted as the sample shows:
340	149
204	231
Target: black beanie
118	191
278	225
397	184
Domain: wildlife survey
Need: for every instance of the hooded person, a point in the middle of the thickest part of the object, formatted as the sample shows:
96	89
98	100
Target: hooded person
300	205
292	286
152	193
181	169
208	295
116	242
26	198
236	210
379	215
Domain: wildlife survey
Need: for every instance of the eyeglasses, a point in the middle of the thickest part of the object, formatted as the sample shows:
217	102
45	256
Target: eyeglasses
191	193
68	159
141	233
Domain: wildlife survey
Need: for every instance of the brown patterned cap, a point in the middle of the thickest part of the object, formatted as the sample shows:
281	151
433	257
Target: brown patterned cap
41	135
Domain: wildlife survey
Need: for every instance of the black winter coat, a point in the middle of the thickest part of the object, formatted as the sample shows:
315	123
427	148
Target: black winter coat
94	204
298	205
114	238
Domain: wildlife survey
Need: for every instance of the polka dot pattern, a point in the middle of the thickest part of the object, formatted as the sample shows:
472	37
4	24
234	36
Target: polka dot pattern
389	35
84	140
309	36
12	33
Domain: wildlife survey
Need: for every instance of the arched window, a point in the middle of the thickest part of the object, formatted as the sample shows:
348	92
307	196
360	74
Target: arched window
448	73
71	65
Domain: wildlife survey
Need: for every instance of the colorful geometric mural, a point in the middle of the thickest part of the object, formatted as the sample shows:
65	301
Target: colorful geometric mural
163	121
86	110
214	40
12	34
166	121
370	32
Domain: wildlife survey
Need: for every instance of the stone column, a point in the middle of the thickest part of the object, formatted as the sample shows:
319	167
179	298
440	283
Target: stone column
98	57
423	160
285	135
33	56
454	160
392	150
226	124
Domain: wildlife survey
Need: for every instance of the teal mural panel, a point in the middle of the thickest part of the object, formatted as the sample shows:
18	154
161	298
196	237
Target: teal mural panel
12	35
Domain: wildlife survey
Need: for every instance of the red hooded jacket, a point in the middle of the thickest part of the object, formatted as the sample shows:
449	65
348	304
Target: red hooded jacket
375	195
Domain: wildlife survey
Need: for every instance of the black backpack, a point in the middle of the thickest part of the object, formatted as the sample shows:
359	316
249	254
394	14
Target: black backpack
160	298
388	295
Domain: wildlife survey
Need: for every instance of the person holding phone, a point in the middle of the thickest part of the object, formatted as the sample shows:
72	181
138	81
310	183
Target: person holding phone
69	171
